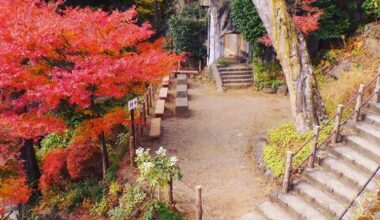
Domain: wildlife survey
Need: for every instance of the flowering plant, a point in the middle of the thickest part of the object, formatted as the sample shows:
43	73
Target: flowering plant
157	170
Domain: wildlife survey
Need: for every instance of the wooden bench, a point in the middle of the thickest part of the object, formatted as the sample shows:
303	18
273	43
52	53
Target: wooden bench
160	108
181	91
163	93
155	128
181	79
181	107
165	81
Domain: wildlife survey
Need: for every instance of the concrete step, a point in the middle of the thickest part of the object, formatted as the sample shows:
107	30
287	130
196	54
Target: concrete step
231	73
368	148
237	85
228	81
368	131
240	76
300	206
346	173
374	107
234	68
354	157
155	128
160	108
274	211
322	200
372	118
329	183
256	214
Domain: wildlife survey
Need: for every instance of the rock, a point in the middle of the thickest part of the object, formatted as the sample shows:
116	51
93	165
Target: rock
269	90
282	90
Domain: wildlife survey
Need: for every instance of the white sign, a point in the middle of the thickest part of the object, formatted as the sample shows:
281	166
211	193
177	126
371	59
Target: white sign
132	104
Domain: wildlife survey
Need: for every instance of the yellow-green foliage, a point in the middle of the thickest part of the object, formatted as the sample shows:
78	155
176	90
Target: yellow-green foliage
285	138
339	91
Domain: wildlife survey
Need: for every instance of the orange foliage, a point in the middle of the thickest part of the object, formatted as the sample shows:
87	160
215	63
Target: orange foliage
54	170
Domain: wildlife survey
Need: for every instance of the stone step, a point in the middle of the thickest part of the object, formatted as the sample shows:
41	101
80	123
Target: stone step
329	183
165	81
300	206
237	76
236	72
368	131
237	85
354	157
368	148
256	214
274	211
374	107
322	200
345	172
372	118
234	68
228	81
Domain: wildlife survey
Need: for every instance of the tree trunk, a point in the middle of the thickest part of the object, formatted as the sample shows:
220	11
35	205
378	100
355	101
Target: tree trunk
156	15
105	156
306	102
30	163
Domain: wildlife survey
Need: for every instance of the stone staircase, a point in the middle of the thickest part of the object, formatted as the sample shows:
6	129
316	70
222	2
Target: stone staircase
236	76
325	191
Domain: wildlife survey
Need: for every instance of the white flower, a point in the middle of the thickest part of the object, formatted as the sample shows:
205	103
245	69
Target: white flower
147	166
161	151
140	151
173	160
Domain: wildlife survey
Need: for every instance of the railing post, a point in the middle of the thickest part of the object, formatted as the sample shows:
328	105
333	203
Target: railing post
132	152
338	120
288	170
377	88
198	203
146	103
150	96
359	100
314	147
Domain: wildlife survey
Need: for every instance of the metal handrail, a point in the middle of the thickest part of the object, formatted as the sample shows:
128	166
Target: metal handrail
359	193
293	171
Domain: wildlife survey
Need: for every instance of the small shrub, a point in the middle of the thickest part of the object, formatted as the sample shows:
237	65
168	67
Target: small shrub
54	175
52	142
267	75
162	210
100	208
372	8
222	61
84	160
285	138
114	188
131	198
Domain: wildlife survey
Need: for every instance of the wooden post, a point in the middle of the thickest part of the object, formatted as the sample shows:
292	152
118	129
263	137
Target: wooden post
314	147
338	120
178	65
377	88
146	103
142	122
132	152
359	100
150	97
288	170
198	203
138	135
170	193
200	67
133	134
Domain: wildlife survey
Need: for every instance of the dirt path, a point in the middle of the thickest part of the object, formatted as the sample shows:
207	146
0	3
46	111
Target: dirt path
213	148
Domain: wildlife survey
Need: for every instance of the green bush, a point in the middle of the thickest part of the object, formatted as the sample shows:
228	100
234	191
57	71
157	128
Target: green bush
100	208
131	198
267	75
162	210
285	138
372	8
52	142
185	31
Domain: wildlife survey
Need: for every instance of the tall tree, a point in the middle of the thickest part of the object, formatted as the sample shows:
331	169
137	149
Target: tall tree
306	102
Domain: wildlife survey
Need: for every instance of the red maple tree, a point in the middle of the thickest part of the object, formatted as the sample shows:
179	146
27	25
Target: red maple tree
78	57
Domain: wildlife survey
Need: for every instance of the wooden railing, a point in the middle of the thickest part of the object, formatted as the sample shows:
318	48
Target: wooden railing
334	135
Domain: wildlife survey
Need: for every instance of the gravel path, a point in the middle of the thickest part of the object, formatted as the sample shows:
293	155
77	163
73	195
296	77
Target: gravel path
213	147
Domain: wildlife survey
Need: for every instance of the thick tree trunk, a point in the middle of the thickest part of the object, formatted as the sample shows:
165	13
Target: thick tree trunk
30	162
306	102
156	15
105	156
